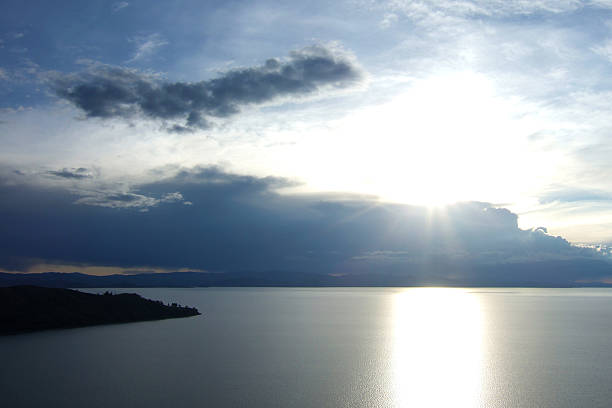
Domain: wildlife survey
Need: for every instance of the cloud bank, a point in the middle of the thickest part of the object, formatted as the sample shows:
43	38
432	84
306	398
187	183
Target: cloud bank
241	224
109	91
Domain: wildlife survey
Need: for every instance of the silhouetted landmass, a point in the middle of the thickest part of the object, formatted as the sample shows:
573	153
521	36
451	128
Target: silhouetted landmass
30	308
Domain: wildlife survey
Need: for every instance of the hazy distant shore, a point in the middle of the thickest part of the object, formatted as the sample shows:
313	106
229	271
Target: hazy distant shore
538	274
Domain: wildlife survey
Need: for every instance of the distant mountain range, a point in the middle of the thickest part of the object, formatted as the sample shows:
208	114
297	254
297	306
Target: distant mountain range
537	274
172	279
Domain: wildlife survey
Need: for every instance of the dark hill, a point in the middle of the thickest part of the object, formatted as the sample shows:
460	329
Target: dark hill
29	308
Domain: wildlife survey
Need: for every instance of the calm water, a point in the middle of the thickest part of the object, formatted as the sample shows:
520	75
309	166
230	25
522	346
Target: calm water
329	348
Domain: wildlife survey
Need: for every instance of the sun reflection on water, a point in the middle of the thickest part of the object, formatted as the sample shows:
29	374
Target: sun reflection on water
437	349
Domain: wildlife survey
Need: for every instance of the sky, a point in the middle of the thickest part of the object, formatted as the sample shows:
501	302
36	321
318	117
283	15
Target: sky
340	136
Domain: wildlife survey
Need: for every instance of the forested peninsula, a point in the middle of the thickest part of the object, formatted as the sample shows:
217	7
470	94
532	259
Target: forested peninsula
32	308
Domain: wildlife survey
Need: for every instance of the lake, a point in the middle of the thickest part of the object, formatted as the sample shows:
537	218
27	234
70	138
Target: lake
328	347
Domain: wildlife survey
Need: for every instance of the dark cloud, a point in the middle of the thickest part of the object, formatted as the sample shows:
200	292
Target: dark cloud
80	173
108	91
236	224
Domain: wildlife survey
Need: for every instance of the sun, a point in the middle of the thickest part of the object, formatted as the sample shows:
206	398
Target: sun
445	138
437	144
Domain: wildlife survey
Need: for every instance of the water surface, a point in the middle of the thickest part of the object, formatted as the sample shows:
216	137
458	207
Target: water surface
329	347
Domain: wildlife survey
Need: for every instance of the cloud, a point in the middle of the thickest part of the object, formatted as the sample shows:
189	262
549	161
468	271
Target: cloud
109	91
490	8
146	46
88	189
119	5
115	198
604	49
239	223
172	197
574	195
80	173
388	20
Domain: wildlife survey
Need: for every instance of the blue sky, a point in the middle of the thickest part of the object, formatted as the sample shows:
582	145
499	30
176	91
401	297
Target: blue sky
422	104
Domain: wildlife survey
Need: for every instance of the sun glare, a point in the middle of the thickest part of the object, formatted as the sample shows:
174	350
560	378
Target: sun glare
445	139
437	352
